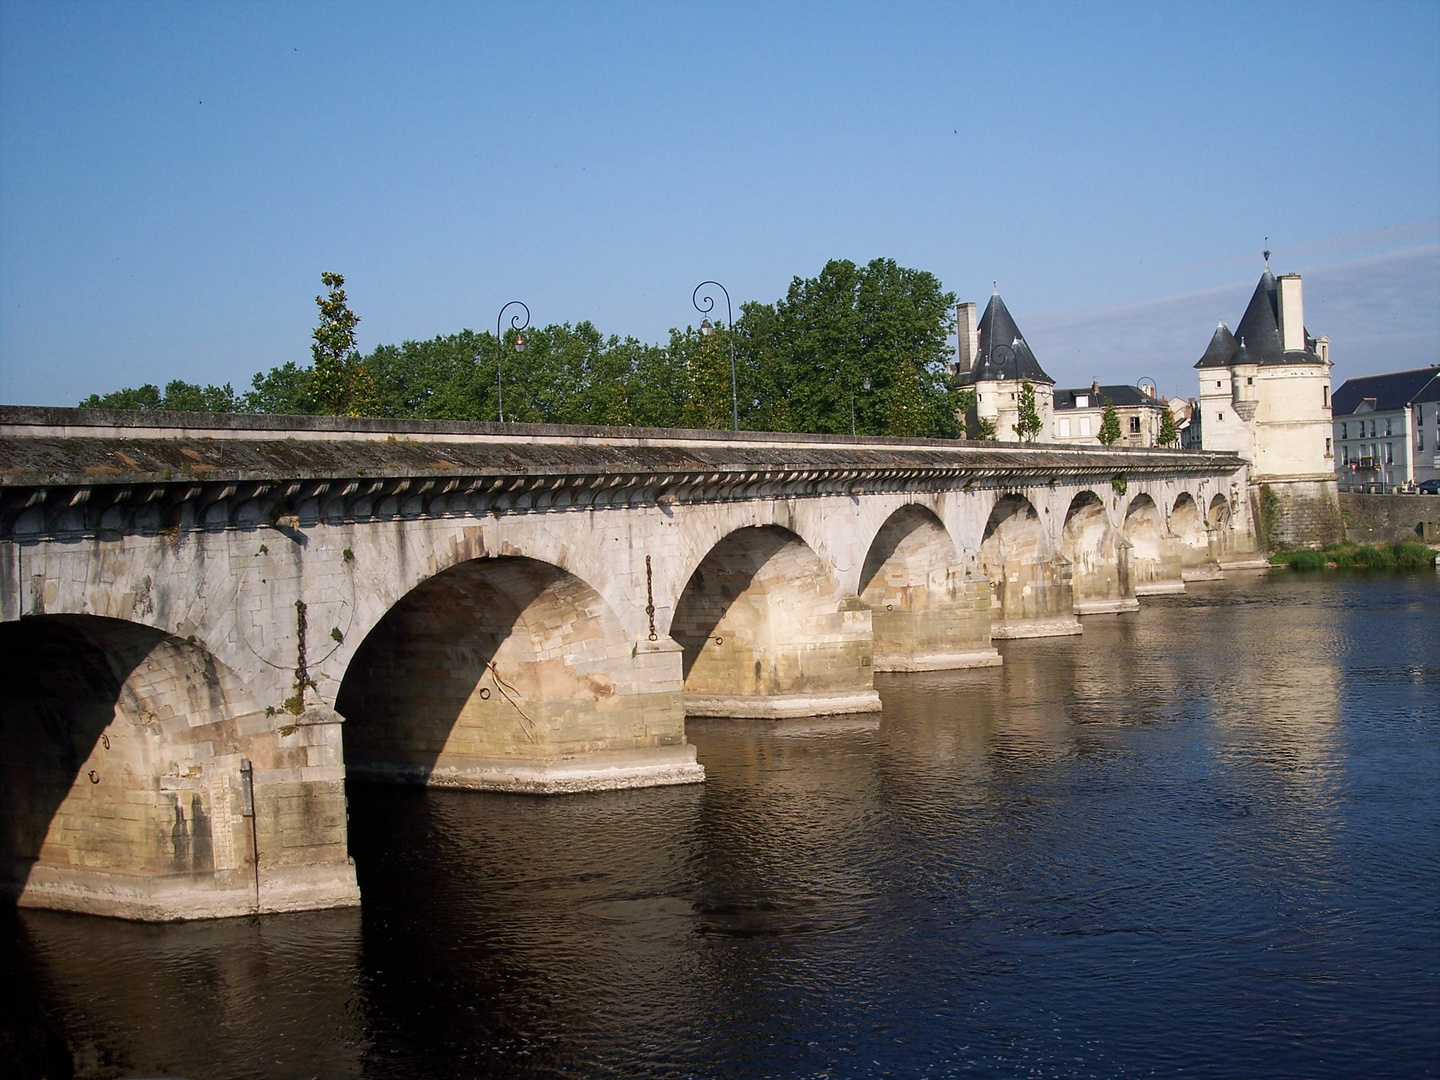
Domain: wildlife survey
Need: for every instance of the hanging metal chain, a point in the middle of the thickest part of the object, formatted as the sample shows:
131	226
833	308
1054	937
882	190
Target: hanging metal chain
650	597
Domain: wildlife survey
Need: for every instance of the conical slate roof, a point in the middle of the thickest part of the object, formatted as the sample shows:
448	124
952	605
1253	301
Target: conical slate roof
1003	352
1222	347
1257	339
1259	329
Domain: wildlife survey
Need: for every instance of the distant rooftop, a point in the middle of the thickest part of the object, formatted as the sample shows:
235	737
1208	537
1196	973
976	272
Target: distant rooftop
1397	390
1120	395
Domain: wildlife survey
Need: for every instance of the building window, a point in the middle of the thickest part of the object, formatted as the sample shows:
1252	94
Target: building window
1064	427
1082	401
1134	425
1327	396
1419	439
1344	431
1220	418
1344	455
1389	453
1084	426
1387	426
1329	451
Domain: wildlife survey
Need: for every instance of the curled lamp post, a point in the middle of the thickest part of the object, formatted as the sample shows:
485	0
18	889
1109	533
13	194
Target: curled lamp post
705	305
517	326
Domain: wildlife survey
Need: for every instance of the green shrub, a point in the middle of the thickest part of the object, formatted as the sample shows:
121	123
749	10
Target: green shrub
1407	557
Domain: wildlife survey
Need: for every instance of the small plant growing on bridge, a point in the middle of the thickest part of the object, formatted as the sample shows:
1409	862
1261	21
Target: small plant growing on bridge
1119	484
348	555
1109	433
336	634
1027	423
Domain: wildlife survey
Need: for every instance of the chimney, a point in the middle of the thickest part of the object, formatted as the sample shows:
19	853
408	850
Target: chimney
969	336
1292	314
1095	387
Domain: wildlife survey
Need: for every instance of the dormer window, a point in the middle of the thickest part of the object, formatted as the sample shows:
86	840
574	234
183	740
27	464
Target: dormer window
1082	401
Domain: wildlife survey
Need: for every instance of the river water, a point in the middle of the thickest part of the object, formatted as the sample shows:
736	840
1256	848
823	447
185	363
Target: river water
1202	839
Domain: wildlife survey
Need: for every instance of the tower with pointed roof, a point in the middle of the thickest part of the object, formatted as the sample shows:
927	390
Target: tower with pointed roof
1265	393
995	361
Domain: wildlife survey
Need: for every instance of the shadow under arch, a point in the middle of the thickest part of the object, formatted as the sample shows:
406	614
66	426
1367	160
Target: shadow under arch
1154	559
1217	517
511	674
122	786
1191	535
1030	589
926	612
765	632
1100	572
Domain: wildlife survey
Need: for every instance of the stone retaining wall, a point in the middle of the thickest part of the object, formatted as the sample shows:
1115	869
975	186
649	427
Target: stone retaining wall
1389	519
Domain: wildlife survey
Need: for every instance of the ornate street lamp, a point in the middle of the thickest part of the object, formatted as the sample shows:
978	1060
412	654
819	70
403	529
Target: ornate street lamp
705	305
517	326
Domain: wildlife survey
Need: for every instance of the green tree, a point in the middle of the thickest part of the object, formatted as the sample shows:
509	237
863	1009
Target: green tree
284	390
339	383
805	355
1027	422
1169	433
179	396
1109	433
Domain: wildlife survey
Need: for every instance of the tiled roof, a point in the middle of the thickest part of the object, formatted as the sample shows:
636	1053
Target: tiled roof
1397	390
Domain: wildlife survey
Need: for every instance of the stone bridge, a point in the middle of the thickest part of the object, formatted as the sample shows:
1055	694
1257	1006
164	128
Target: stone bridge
193	608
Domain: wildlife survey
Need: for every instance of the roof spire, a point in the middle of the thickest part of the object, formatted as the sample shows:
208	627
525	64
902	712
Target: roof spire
1267	253
994	287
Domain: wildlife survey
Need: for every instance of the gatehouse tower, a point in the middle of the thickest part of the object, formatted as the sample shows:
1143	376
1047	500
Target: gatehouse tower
1265	394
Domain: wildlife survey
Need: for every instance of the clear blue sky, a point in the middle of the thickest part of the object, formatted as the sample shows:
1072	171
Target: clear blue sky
174	177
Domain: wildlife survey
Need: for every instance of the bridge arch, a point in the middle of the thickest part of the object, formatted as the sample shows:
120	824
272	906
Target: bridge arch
1154	561
765	631
1188	526
1099	573
501	673
142	779
926	612
1030	588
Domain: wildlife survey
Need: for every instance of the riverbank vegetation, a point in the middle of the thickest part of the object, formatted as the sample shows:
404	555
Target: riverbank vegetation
855	348
1404	557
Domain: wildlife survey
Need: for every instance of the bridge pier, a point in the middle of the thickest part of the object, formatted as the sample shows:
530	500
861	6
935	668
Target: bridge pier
141	781
1031	588
766	632
927	612
1099	560
1155	565
509	674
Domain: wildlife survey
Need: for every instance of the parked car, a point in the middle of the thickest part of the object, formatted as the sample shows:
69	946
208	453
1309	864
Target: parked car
1429	487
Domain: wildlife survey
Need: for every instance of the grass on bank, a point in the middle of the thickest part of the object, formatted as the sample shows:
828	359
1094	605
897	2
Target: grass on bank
1347	556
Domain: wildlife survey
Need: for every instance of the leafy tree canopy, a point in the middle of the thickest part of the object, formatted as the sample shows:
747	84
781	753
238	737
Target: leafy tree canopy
798	363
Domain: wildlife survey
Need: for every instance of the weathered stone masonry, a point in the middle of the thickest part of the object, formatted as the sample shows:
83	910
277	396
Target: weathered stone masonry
193	608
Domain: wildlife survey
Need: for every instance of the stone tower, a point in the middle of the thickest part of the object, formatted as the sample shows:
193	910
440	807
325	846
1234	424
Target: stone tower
1265	393
994	361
